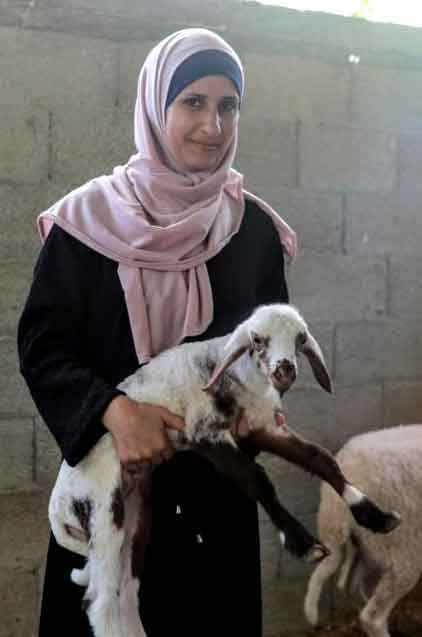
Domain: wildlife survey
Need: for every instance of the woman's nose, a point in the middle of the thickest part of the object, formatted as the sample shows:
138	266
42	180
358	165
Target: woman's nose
211	122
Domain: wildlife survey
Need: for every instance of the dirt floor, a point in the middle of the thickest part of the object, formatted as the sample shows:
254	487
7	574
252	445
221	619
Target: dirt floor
405	621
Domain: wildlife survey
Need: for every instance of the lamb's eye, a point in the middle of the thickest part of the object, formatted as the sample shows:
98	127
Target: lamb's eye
301	339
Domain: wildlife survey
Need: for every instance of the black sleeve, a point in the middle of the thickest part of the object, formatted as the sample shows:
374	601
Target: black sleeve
52	340
274	287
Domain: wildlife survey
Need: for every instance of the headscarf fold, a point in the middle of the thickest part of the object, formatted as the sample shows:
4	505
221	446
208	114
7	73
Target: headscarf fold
159	223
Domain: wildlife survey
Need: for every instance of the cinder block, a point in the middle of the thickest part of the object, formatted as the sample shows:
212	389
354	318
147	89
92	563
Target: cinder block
405	286
268	137
338	288
24	530
342	157
131	58
310	412
14	395
268	188
16	453
18	602
374	351
410	158
330	420
383	223
387	97
402	403
14	286
297	490
317	219
58	188
89	142
265	173
48	456
300	88
57	71
24	141
20	205
357	409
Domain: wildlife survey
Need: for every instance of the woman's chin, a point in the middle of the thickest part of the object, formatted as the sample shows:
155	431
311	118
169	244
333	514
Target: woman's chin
202	166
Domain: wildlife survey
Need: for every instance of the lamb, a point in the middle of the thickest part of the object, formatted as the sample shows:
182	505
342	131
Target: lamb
101	510
387	465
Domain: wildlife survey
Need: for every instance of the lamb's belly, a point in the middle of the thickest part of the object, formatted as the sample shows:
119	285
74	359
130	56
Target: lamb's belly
98	472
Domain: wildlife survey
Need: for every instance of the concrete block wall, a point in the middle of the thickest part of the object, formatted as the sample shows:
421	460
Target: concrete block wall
335	146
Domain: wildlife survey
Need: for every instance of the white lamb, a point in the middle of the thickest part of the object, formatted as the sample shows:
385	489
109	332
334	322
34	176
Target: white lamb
386	464
101	510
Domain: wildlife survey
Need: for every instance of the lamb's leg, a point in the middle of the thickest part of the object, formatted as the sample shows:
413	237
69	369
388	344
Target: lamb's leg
348	565
137	532
101	600
317	460
80	576
321	574
390	589
254	482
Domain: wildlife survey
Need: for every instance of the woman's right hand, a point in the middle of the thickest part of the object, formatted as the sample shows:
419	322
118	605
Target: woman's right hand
139	430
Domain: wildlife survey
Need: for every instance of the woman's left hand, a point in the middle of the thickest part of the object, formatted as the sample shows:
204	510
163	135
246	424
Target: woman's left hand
242	432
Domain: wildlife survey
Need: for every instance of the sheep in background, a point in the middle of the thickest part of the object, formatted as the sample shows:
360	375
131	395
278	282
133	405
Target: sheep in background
102	512
386	464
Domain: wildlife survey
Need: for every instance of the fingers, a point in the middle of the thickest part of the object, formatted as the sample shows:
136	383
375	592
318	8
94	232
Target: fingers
171	420
242	427
141	432
280	420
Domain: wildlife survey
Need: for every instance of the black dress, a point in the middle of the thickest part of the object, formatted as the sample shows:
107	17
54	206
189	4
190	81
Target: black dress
75	346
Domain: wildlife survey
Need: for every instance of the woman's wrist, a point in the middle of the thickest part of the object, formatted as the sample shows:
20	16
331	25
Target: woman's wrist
112	415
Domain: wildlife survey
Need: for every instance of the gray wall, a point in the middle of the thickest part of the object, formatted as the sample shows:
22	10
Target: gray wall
336	146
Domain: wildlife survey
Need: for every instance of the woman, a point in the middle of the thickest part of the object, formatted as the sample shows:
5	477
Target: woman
167	248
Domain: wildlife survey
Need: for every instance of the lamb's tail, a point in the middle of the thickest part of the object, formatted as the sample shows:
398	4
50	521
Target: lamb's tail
334	531
321	574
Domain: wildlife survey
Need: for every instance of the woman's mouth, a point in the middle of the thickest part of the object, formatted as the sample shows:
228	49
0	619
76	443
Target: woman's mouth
210	148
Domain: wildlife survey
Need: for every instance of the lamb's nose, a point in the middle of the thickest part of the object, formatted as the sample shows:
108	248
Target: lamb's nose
287	368
285	374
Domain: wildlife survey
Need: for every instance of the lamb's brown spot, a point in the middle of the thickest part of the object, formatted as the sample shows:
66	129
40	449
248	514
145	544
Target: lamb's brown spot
86	603
142	533
82	510
206	366
118	508
225	402
300	340
77	534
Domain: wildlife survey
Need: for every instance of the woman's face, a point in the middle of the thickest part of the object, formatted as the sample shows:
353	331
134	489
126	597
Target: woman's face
201	123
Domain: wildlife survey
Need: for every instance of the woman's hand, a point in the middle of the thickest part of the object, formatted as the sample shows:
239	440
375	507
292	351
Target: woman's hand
139	430
247	438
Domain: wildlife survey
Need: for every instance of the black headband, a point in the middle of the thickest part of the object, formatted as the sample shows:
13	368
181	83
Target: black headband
208	62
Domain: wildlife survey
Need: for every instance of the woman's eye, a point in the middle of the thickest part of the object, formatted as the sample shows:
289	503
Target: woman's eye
193	102
229	106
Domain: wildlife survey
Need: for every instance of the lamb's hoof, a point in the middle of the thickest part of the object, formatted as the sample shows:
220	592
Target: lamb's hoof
80	576
369	515
392	521
316	554
305	547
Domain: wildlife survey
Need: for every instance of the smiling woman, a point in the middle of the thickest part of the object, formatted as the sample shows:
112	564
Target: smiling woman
202	123
166	249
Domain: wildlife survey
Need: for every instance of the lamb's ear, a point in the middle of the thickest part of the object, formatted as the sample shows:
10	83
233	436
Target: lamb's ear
237	345
313	353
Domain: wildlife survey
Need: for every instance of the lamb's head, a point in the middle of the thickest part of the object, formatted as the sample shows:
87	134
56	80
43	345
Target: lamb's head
274	336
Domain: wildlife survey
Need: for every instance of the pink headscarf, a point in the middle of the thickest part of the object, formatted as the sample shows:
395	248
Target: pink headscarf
160	224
